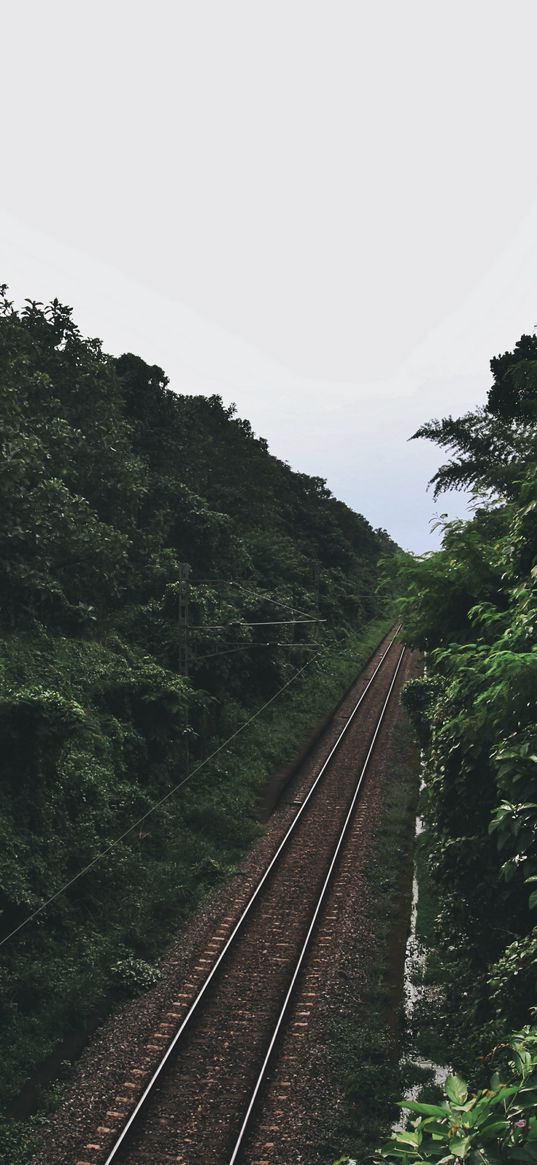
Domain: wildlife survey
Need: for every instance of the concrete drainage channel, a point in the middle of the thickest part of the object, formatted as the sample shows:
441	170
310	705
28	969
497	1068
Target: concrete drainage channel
417	993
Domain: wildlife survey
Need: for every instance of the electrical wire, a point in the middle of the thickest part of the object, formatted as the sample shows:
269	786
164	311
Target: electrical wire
269	598
104	853
359	594
249	646
364	593
255	594
264	623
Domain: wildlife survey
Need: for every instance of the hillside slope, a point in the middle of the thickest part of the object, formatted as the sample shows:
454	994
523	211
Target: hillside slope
162	576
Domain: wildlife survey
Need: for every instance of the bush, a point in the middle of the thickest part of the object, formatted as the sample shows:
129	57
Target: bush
495	1126
134	976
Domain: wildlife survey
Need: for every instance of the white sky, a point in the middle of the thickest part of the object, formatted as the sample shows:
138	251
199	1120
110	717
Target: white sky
325	210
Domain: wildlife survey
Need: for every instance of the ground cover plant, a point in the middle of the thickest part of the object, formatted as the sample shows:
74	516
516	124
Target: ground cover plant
493	1126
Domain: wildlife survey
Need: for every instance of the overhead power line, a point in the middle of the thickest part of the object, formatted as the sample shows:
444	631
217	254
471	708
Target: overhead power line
269	598
250	646
263	623
104	853
358	593
247	591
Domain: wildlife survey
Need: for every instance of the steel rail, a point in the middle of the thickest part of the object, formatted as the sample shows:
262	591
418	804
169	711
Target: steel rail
239	924
303	952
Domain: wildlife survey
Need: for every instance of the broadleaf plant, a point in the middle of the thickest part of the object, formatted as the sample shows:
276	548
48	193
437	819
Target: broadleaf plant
493	1126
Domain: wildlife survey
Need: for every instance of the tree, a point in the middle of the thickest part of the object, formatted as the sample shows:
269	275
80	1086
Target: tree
513	394
493	453
473	606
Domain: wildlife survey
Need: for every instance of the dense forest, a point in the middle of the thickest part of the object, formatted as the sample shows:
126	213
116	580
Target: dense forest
472	607
162	578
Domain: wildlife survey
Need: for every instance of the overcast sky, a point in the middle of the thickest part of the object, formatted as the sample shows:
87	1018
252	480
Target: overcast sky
325	210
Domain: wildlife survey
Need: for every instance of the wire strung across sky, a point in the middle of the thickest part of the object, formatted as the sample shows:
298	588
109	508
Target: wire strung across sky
104	853
247	591
363	593
250	646
269	598
239	623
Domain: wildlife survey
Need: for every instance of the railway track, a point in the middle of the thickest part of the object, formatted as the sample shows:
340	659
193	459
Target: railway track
195	1094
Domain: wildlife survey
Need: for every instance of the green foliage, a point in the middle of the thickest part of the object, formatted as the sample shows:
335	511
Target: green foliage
494	1126
514	391
133	976
473	607
419	698
495	446
492	453
18	1139
514	976
111	484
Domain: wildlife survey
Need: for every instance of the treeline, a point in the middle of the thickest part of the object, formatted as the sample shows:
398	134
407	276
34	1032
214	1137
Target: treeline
472	606
117	674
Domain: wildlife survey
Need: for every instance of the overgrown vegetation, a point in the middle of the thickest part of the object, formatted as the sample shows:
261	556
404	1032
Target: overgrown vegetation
472	606
118	676
494	1126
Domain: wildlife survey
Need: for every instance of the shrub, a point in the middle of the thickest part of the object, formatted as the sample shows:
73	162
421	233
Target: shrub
494	1126
134	976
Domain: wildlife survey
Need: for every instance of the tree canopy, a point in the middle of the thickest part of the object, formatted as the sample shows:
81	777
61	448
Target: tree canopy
115	491
473	607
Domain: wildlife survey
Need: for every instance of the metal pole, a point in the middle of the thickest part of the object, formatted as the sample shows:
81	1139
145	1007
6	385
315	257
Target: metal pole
183	620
